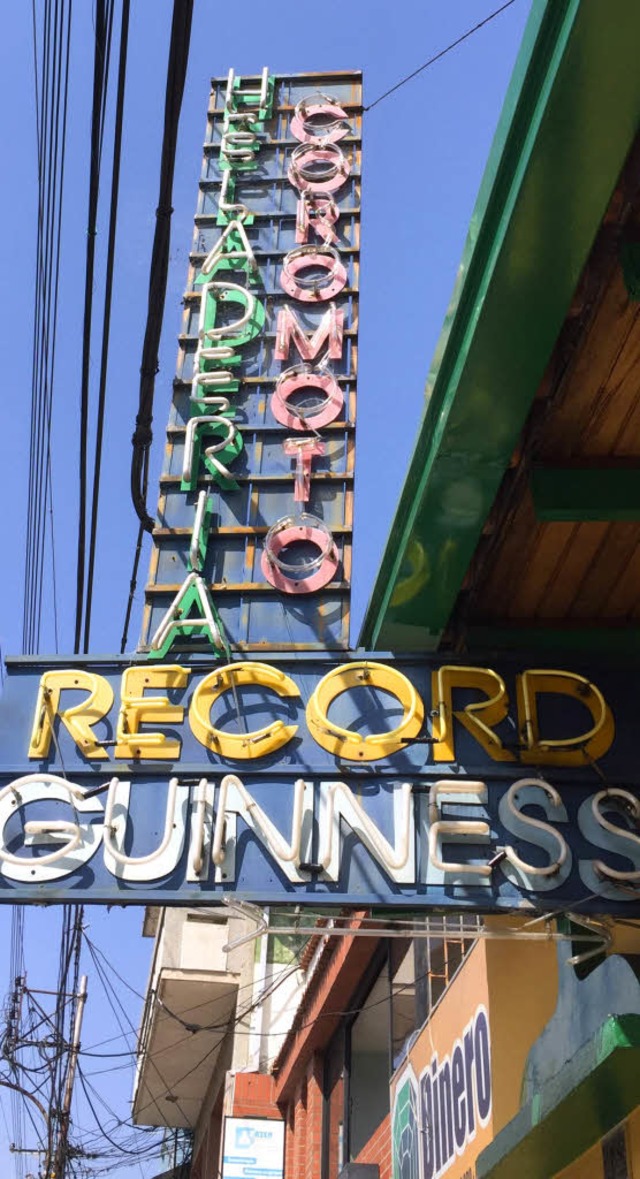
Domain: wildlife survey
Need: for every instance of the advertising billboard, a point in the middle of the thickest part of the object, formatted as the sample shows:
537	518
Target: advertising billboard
253	1148
353	780
246	751
462	1077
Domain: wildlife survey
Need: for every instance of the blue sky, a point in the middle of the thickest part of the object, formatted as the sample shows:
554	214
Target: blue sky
423	155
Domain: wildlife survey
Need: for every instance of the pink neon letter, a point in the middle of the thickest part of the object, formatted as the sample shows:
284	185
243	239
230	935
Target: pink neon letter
303	450
319	214
316	289
292	381
308	132
290	331
307	177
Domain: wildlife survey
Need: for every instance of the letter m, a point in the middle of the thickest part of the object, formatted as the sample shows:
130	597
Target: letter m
290	331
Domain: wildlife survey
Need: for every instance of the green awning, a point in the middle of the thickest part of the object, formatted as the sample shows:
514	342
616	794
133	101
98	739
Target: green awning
590	1095
569	120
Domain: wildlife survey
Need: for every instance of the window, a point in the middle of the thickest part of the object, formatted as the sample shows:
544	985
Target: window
405	981
439	956
368	1066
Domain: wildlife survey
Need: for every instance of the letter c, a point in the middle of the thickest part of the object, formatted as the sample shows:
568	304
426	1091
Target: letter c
240	746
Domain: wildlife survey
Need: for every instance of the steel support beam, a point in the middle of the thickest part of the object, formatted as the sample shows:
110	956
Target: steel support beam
585	493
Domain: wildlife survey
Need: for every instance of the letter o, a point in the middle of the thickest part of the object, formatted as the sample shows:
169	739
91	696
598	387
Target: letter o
482	1065
346	744
317	289
292	381
334	173
284	575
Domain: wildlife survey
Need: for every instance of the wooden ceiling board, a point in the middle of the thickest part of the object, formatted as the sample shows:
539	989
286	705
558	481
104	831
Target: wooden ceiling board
503	576
609	429
576	558
593	596
572	572
586	392
545	559
626	444
624	600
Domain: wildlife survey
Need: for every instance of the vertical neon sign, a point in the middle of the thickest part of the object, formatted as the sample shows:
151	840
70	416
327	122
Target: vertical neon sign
253	542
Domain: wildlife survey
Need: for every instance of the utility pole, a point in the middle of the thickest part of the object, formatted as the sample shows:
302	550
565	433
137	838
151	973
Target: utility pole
57	1166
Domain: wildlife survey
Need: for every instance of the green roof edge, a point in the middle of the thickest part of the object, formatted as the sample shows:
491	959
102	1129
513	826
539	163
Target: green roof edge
573	103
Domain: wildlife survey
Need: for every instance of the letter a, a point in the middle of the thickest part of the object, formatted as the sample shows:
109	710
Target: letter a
238	254
177	620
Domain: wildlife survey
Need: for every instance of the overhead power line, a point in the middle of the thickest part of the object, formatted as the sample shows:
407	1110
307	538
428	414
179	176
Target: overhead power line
442	53
106	319
51	50
103	26
176	76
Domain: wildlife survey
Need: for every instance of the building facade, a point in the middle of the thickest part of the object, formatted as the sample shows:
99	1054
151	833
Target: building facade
469	1044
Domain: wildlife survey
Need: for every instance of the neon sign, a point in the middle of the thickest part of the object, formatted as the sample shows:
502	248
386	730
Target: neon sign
268	357
361	781
483	719
192	845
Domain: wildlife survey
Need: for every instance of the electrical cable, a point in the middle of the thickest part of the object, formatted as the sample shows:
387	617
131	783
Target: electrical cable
442	53
99	84
176	77
104	982
106	320
117	1145
51	147
133	581
52	261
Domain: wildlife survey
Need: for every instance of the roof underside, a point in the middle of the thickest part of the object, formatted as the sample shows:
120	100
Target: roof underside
561	548
569	121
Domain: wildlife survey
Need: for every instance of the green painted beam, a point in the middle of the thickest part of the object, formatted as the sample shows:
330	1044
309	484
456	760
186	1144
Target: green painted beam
614	642
573	1110
582	493
569	120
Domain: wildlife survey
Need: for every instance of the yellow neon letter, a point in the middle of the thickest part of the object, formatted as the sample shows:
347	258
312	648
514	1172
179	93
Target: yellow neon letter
570	751
345	743
78	719
243	746
137	709
478	718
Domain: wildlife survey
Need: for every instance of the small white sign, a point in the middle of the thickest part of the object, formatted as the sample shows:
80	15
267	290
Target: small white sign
253	1148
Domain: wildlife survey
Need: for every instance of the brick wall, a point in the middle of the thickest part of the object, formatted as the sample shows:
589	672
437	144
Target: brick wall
303	1138
378	1149
254	1096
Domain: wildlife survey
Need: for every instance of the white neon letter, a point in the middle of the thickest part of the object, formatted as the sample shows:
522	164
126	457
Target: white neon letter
79	838
165	858
535	792
599	830
233	800
337	801
441	831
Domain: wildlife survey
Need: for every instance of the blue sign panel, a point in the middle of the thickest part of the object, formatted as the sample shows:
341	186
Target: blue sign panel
255	512
366	780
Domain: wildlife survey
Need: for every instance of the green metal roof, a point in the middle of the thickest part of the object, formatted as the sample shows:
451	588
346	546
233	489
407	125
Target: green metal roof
590	1095
568	122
